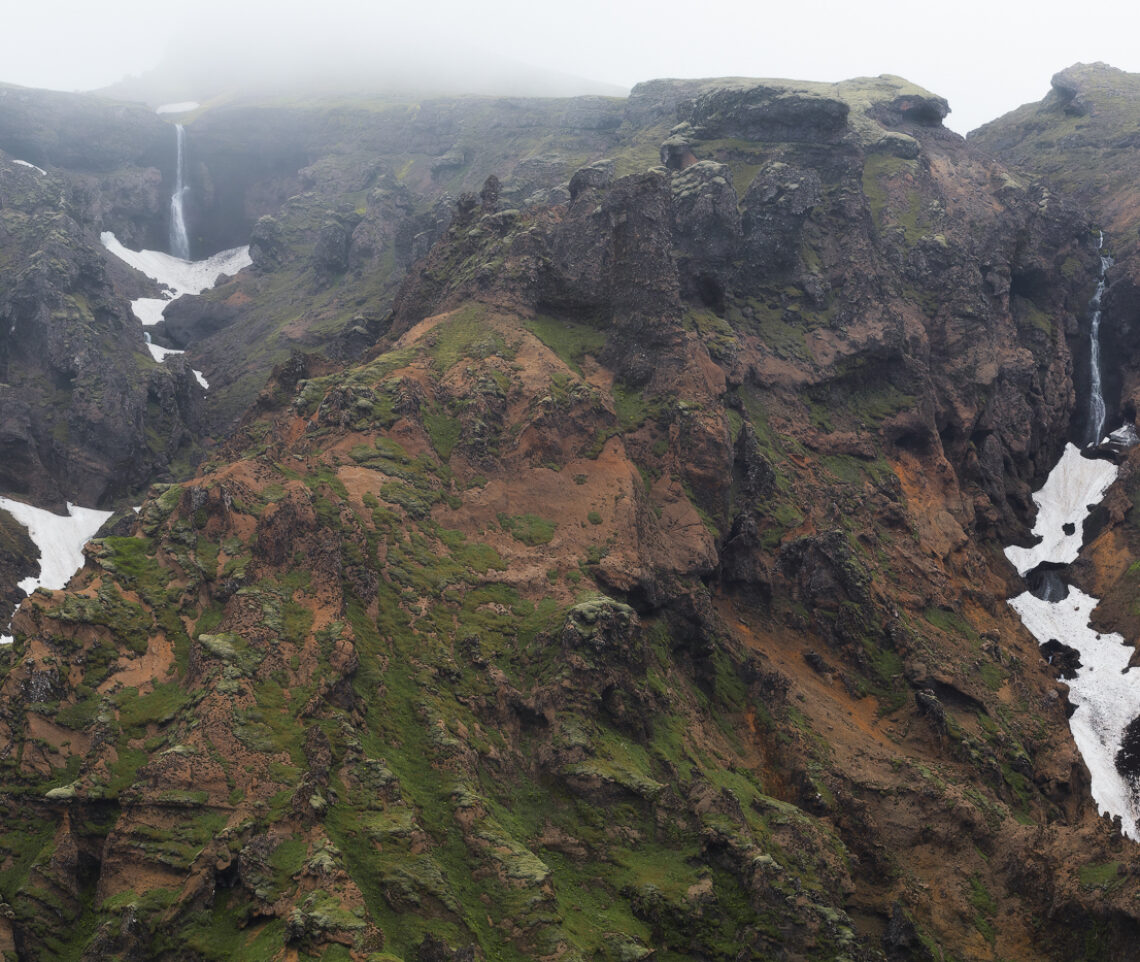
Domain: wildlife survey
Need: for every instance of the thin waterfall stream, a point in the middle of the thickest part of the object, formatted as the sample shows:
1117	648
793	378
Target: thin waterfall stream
175	271
1103	689
60	538
1096	392
179	238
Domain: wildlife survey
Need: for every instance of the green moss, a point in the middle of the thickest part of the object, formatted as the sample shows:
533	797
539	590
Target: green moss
465	335
125	769
127	621
992	676
571	341
287	860
985	907
1026	313
159	705
416	501
222	933
1105	875
714	331
632	406
878	170
530	529
952	623
80	714
296	620
783	332
444	431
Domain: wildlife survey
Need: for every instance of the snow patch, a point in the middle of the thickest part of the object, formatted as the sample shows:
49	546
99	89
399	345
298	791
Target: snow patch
60	540
1073	487
149	309
24	163
160	353
179	276
1105	692
179	108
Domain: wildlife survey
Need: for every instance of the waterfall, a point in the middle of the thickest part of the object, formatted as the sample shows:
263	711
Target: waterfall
179	239
1096	393
1104	690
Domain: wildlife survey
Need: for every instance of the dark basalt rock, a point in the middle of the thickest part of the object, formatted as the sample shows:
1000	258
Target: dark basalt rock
929	706
774	209
1046	583
1063	658
766	113
434	949
597	175
902	941
707	229
266	244
190	319
1128	757
17	561
604	627
813	406
82	133
330	255
912	109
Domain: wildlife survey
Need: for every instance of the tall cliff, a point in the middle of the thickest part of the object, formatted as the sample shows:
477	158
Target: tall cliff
85	414
622	581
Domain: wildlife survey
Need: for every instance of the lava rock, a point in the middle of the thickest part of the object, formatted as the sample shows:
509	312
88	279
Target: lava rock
1065	659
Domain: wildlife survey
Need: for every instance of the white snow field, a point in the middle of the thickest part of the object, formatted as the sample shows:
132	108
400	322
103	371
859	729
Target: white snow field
1105	691
160	353
1073	487
180	277
60	540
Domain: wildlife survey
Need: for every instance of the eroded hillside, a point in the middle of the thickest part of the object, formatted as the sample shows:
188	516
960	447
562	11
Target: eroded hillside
634	590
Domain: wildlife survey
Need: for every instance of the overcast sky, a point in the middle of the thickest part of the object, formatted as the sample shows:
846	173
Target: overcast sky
984	56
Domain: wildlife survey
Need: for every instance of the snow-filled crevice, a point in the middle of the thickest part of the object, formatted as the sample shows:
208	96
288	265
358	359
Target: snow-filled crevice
179	277
60	540
1073	488
1103	690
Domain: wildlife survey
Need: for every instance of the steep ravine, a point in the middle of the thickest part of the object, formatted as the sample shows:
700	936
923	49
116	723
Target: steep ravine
59	536
632	588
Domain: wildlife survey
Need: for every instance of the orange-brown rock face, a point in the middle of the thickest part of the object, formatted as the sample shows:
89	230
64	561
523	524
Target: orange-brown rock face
637	594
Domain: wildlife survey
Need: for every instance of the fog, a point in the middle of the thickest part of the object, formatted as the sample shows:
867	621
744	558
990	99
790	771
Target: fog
985	58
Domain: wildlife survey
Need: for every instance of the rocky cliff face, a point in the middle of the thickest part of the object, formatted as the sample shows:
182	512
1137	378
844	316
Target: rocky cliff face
85	414
627	587
1080	142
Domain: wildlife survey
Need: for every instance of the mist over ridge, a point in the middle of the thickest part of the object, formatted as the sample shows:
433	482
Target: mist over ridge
293	63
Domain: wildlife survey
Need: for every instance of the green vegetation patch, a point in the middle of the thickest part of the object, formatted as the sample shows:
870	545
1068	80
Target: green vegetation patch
878	170
465	335
1106	875
571	341
530	529
155	707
